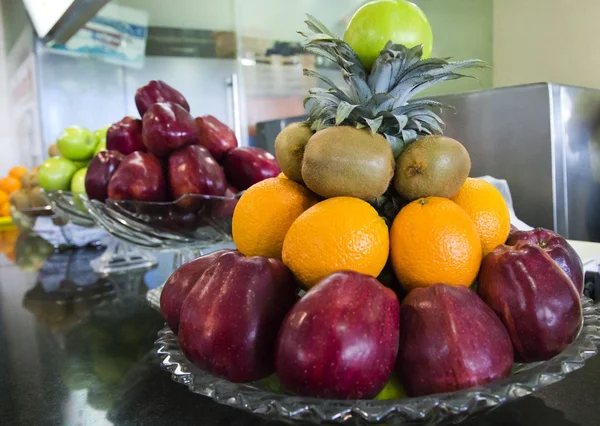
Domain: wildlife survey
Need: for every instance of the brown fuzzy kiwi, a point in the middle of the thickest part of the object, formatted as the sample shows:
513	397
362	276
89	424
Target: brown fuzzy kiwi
344	161
434	166
289	149
53	151
20	199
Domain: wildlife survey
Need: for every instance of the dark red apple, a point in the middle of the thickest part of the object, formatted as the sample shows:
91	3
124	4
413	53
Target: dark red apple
192	170
535	299
557	248
450	340
249	165
340	340
157	91
215	136
180	283
167	127
223	209
125	136
230	319
139	177
99	172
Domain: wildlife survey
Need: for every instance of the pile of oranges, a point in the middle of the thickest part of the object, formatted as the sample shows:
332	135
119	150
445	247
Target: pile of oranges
432	240
8	185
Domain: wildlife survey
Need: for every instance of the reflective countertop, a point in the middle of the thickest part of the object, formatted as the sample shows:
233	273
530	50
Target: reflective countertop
77	349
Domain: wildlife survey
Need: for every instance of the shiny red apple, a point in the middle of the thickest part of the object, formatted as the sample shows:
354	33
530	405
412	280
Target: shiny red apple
180	283
450	340
340	340
99	173
192	170
246	166
139	177
215	136
125	136
167	127
557	248
230	319
535	299
157	91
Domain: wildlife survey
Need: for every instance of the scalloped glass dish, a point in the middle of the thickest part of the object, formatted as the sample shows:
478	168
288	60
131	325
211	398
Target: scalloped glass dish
191	222
456	406
66	204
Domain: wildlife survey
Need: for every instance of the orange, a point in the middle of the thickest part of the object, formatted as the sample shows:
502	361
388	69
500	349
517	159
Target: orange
282	176
264	214
17	172
341	233
3	197
5	210
433	240
488	209
9	184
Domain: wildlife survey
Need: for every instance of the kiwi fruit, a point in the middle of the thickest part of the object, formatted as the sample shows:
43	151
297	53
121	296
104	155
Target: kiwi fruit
36	198
29	180
20	199
344	161
53	151
289	149
434	166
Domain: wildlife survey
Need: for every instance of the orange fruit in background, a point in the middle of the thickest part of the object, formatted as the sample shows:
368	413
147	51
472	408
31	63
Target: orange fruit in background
5	210
488	209
9	184
433	240
282	176
341	233
17	172
264	214
3	197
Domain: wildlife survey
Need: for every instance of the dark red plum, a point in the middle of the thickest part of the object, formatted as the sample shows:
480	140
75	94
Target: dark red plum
340	340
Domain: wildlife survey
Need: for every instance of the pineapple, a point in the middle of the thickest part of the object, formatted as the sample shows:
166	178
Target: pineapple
380	100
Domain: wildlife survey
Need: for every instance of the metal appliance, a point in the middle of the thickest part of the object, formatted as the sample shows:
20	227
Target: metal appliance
544	139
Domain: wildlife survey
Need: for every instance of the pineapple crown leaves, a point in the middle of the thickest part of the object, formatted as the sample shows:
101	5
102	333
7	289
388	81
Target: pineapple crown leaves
379	99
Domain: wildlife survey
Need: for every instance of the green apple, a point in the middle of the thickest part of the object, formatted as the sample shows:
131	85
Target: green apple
100	134
77	143
78	181
100	147
55	174
380	21
393	390
81	164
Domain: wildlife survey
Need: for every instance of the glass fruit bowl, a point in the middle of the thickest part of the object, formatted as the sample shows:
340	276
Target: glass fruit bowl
70	206
451	407
193	222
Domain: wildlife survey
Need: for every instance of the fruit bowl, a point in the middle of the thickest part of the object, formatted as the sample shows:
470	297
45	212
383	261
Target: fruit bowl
258	399
192	222
67	205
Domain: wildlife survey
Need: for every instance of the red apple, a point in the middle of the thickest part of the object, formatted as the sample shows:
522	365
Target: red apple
249	165
340	340
535	299
192	170
125	136
179	285
167	127
215	136
223	209
230	319
557	248
157	91
99	172
450	340
139	177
